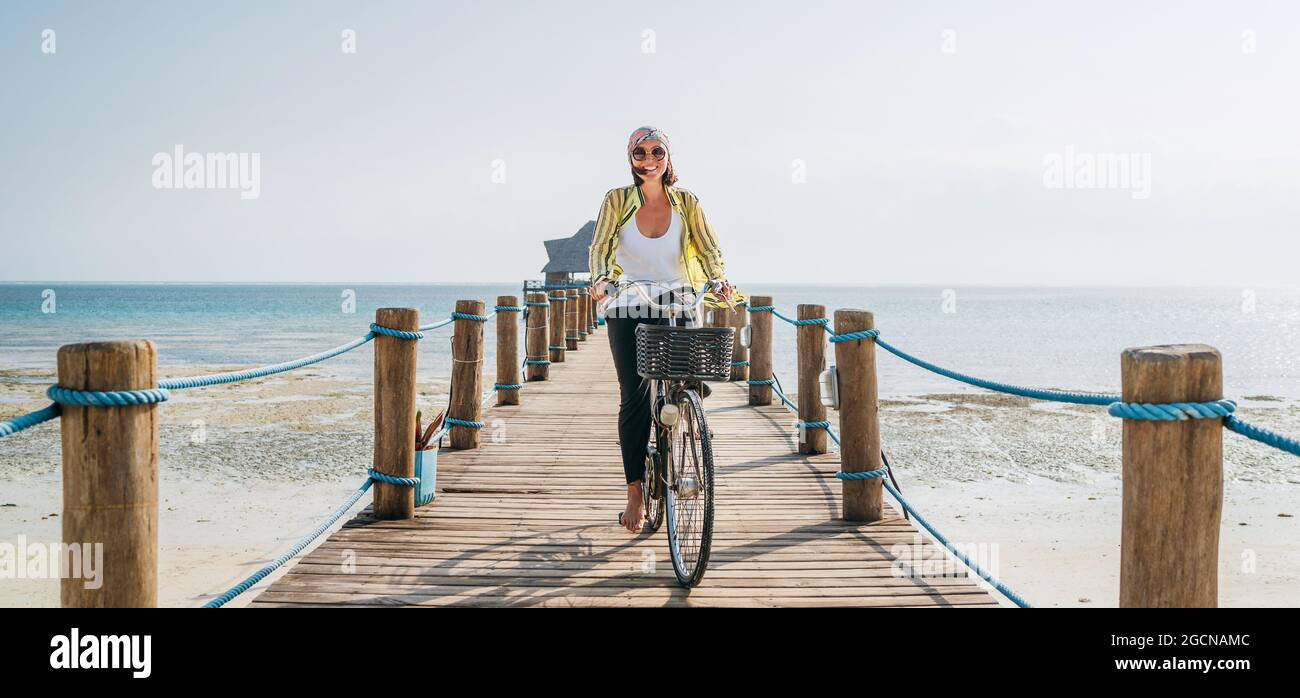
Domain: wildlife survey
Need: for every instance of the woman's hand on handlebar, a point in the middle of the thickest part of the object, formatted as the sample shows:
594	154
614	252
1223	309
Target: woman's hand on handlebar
724	289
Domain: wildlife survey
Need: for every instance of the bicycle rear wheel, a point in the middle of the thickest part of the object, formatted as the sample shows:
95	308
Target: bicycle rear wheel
689	496
652	489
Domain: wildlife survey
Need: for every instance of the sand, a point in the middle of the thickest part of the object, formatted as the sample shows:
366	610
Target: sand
248	468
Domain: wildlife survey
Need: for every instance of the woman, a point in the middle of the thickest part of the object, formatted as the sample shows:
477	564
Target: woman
649	231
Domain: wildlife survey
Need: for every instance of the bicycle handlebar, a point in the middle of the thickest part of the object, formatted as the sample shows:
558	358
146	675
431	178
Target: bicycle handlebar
618	287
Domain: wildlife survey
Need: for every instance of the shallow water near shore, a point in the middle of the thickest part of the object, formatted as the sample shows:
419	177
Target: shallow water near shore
1045	337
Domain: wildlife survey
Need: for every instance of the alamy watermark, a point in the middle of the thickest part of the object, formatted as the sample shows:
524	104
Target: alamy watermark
77	651
948	302
1075	170
1248	301
23	560
181	170
648	41
798	171
921	558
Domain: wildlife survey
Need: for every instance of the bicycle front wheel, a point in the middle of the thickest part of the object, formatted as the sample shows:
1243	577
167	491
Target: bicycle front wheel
689	504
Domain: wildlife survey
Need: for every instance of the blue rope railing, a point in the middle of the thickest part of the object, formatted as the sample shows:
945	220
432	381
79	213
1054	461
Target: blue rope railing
235	376
106	398
372	476
1216	409
109	398
1078	398
436	325
1115	406
398	334
943	540
298	547
1262	435
13	425
392	479
1172	411
881	473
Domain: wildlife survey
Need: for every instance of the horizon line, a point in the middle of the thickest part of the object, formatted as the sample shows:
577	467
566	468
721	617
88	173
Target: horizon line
896	284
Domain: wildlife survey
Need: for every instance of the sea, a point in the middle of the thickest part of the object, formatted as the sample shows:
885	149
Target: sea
1066	338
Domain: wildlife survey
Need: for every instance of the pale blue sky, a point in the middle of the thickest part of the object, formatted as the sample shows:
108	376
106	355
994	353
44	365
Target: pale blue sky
922	166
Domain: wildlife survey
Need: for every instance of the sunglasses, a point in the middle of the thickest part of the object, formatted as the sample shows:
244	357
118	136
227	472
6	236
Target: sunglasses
639	153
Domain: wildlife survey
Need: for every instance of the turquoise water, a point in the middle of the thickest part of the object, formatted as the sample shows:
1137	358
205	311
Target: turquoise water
1046	337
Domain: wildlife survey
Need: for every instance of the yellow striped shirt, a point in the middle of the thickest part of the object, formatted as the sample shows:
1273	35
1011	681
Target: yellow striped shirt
701	254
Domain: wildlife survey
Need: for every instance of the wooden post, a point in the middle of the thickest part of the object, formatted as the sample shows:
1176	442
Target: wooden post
466	375
760	351
535	340
557	302
590	304
1172	481
571	319
737	317
580	308
508	351
395	381
110	477
812	359
855	362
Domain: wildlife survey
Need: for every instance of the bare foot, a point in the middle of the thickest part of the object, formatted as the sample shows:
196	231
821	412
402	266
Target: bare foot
633	516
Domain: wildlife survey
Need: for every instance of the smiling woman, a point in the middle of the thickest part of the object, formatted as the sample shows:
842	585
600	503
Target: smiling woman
650	231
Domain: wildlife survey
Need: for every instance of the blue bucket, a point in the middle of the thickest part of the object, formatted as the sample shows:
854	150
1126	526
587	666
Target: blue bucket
426	468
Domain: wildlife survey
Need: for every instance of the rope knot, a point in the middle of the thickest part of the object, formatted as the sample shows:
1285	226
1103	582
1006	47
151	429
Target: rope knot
1172	411
106	398
399	334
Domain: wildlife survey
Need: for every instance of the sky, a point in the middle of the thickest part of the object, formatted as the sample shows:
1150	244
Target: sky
833	142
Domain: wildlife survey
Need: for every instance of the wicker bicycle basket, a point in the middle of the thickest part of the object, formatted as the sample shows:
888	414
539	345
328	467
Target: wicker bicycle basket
684	353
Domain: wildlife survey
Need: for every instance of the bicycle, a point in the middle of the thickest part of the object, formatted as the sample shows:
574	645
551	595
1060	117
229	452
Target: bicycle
678	481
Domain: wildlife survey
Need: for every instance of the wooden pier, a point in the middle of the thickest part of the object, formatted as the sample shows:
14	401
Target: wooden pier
529	518
528	491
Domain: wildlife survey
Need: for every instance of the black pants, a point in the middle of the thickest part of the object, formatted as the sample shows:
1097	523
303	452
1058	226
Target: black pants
634	418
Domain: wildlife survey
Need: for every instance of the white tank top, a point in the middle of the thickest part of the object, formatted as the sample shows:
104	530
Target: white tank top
649	259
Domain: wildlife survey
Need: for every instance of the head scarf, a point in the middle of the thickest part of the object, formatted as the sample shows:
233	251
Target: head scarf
646	133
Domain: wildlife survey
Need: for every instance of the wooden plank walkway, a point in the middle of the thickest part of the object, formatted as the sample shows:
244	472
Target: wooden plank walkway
532	521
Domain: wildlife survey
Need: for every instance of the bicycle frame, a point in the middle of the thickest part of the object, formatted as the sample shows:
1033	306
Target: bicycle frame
678	481
662	390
